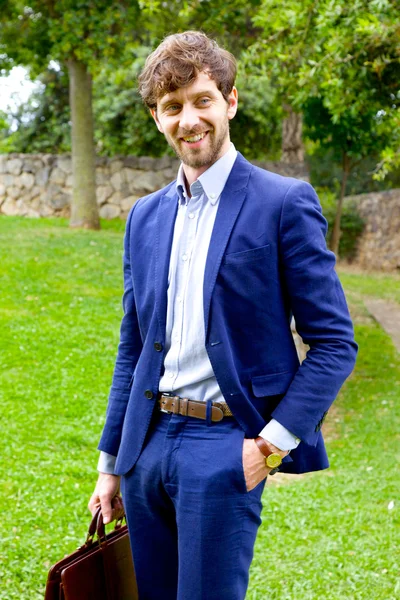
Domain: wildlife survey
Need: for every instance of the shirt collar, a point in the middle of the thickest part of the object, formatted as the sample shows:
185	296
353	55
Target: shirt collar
211	181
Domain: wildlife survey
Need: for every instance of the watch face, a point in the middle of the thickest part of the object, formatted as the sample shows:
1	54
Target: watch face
273	461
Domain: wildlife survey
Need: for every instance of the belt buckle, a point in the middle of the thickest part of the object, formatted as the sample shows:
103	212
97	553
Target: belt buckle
164	410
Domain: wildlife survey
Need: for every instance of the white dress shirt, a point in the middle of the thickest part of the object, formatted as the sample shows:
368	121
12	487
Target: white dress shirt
187	369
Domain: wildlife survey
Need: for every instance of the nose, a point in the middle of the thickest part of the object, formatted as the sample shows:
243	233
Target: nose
189	117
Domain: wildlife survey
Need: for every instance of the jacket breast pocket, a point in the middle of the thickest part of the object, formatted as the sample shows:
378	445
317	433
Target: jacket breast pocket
246	256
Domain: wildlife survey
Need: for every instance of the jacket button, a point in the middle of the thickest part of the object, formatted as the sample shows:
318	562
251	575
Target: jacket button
158	346
149	394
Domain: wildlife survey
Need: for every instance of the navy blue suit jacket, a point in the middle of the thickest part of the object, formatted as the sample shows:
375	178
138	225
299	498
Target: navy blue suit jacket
267	260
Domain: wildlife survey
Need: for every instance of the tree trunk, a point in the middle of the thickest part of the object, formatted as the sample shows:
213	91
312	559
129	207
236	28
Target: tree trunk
292	143
335	239
84	210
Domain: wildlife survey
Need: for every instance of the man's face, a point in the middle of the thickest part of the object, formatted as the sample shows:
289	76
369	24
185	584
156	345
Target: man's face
195	121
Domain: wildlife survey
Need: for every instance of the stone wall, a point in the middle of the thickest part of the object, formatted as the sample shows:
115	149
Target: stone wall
40	185
379	245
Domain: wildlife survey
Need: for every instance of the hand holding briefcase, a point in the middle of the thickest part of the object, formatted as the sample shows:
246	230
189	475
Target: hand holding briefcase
101	569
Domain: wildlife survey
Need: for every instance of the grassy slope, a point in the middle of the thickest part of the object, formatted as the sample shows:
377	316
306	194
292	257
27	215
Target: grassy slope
329	535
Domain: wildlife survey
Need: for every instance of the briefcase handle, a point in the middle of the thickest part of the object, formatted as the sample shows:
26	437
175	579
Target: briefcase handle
97	526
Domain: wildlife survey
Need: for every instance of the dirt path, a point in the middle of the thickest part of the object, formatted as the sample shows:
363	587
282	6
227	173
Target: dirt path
387	314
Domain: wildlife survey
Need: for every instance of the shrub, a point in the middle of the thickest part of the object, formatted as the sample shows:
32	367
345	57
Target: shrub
352	225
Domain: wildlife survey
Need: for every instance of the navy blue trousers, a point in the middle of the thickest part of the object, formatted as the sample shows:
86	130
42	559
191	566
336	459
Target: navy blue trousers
192	523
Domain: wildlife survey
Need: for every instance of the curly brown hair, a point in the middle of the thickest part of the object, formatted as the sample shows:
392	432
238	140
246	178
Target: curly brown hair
179	59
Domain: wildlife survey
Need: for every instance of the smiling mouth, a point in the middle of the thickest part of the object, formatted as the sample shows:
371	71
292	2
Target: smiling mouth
192	139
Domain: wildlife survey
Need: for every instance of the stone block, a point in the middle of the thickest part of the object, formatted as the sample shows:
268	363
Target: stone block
28	165
48	159
115	198
2	189
148	181
32	213
46	210
7	180
103	192
162	163
146	163
57	176
110	211
35	203
14	166
3	163
9	207
69	181
27	180
14	192
130	175
115	166
42	176
131	162
56	197
117	180
128	202
38	164
35	191
65	164
102	176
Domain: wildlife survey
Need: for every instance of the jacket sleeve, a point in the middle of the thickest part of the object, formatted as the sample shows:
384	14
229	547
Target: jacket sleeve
320	311
129	349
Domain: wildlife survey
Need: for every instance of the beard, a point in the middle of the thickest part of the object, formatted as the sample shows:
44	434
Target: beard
201	157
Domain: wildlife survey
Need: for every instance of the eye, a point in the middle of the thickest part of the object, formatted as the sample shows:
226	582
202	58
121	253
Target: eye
204	101
172	108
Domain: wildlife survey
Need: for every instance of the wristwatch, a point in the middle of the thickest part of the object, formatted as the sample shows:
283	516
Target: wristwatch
273	460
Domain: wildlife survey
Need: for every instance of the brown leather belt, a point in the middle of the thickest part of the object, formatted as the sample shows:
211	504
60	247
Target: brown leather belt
193	408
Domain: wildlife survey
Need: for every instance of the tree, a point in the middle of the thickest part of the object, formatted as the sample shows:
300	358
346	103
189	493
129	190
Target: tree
344	54
42	123
122	124
79	35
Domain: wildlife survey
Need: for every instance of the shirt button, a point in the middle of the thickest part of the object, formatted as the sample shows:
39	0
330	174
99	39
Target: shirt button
171	375
213	196
158	346
297	440
191	215
184	256
149	394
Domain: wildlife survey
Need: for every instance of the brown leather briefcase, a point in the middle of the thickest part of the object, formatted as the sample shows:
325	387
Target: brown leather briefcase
101	569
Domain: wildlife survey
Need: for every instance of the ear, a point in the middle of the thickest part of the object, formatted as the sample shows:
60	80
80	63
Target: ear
153	112
232	103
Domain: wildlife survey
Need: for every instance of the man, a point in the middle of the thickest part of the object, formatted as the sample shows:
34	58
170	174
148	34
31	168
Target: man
208	396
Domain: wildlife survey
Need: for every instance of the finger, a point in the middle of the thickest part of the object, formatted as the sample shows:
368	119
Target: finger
94	504
106	509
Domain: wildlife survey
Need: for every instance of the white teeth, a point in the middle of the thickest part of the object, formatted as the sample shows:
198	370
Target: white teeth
195	138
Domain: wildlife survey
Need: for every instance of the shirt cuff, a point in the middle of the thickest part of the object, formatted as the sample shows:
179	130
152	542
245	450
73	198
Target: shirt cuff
279	436
106	463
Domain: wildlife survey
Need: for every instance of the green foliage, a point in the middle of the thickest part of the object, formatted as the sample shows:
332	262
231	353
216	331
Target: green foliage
332	533
43	122
352	226
62	29
343	56
326	172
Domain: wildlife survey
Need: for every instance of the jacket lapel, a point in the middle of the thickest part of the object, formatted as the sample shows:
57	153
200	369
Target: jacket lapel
167	208
230	203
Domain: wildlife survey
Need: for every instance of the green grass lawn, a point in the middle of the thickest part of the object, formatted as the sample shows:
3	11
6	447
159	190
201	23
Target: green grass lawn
329	535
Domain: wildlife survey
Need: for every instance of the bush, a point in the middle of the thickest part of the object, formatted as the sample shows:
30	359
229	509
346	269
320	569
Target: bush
352	225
